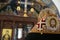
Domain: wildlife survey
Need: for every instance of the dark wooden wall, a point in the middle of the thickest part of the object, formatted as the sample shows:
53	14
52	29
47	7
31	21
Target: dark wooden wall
9	22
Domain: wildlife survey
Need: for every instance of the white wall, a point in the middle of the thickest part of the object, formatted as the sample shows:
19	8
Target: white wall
57	3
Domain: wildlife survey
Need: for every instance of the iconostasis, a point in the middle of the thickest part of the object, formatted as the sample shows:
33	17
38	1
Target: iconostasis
45	19
48	22
14	31
32	9
13	27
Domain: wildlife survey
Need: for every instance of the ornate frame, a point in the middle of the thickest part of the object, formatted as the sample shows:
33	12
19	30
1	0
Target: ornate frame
4	31
49	28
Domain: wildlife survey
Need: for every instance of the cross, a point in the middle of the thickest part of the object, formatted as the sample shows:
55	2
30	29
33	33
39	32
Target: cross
26	3
39	25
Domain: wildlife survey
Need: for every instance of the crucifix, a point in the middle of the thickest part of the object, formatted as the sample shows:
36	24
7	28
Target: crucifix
26	3
39	25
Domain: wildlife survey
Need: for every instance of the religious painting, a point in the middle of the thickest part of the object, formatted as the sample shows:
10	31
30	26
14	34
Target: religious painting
52	24
6	34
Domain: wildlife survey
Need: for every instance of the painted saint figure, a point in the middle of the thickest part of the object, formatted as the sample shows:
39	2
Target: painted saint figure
53	24
6	36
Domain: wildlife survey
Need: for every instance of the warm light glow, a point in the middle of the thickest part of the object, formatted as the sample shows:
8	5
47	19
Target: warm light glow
25	15
18	2
18	8
32	9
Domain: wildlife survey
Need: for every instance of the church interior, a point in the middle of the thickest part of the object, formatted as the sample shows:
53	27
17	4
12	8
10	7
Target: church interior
29	20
